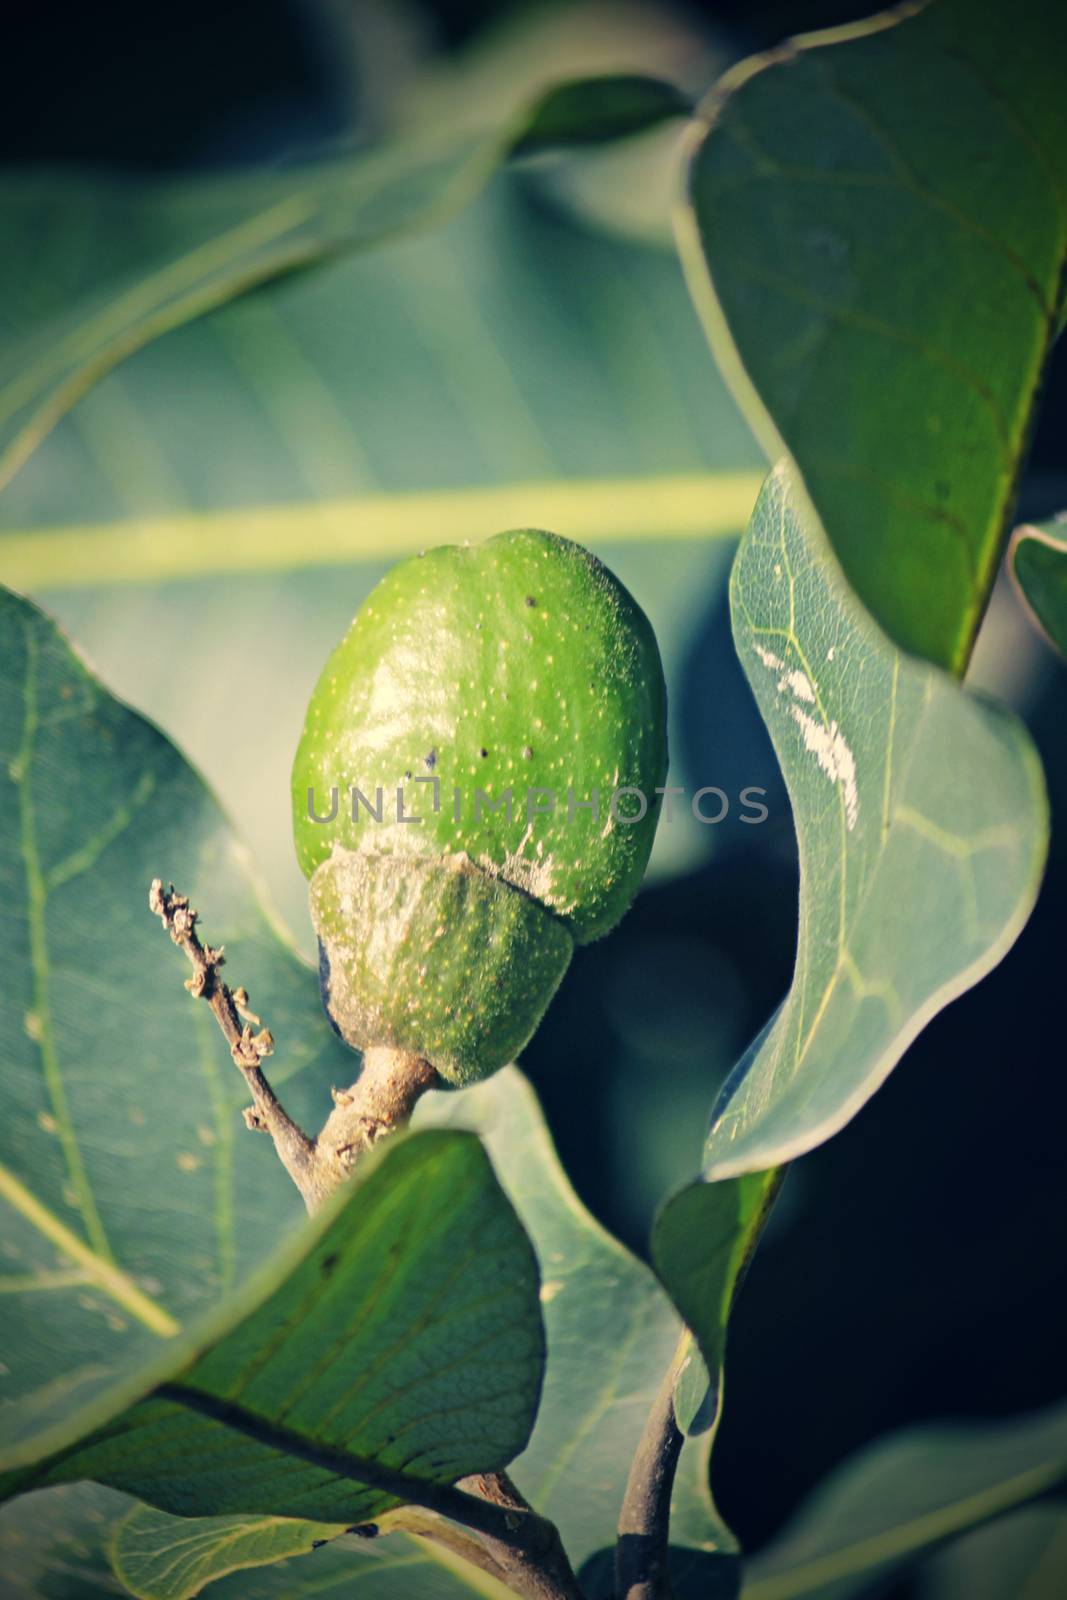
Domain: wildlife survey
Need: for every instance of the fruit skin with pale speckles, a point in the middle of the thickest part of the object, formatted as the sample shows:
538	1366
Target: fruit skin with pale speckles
522	665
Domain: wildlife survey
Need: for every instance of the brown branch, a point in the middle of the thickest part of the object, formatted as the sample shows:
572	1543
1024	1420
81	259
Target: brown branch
295	1150
537	1566
381	1099
642	1550
642	1553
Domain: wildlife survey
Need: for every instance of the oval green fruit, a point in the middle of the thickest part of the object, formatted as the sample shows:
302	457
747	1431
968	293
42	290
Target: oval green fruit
503	694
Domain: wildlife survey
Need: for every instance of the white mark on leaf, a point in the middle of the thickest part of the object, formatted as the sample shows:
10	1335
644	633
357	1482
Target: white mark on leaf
800	685
831	751
827	744
769	659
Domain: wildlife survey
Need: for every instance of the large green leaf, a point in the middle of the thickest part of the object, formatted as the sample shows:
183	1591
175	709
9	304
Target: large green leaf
876	236
921	825
133	1197
134	258
904	1495
1038	562
402	1347
611	1333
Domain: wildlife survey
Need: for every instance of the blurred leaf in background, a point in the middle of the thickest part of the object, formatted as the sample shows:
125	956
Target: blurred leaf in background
906	1495
1023	1556
514	355
98	264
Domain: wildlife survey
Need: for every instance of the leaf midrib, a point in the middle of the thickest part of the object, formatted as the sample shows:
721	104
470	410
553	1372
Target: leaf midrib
915	1534
36	899
700	505
104	1273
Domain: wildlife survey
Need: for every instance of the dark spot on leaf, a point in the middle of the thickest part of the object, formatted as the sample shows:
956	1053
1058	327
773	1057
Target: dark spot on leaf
365	1530
531	600
527	753
431	759
328	1264
483	752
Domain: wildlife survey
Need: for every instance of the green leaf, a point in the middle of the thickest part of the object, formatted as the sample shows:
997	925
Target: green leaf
596	1298
905	1495
54	1543
611	1333
133	1197
876	237
404	1347
166	251
1037	560
921	823
160	1557
922	827
702	1241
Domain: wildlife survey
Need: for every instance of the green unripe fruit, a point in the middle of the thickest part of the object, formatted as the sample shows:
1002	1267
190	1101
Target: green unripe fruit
519	668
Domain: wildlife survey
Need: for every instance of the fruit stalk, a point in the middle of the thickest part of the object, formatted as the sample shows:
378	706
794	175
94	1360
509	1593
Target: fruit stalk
380	1101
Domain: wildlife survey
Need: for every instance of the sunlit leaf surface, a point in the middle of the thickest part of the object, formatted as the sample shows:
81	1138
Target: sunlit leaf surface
876	234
